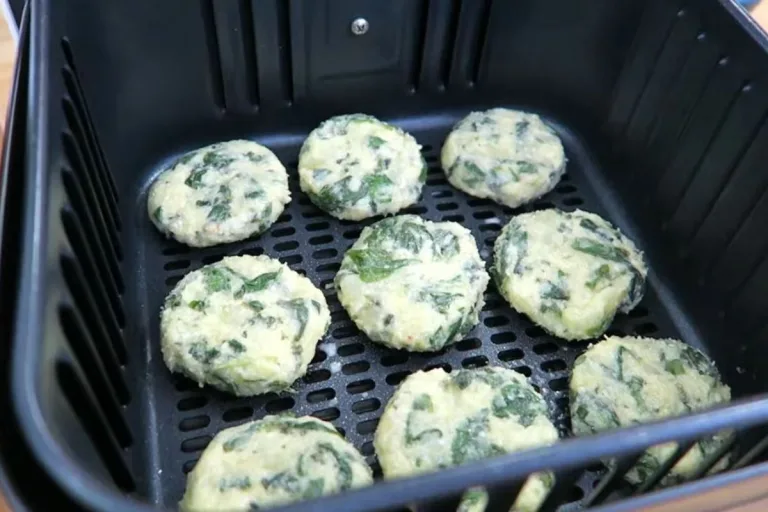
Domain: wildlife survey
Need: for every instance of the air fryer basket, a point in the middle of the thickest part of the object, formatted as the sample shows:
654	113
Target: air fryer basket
661	105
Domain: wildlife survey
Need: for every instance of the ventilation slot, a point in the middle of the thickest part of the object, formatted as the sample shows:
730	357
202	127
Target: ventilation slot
230	37
419	41
470	49
214	60
249	51
450	40
79	189
99	326
85	135
284	48
107	306
95	425
104	377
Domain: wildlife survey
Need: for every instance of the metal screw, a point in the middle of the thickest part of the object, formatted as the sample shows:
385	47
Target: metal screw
359	26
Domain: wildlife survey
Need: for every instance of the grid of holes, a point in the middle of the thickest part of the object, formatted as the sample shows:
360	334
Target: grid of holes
350	379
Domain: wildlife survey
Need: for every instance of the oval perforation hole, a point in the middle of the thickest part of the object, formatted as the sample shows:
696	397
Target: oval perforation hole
318	226
393	379
329	414
453	218
285	217
490	227
565	189
543	205
638	312
502	338
484	214
320	240
442	194
313	213
280	405
496	321
283	232
251	251
468	344
213	258
196	444
320	356
555	365
321	395
491	304
360	386
356	367
367	448
545	348
445	366
535	332
437	179
414	210
351	349
474	362
286	246
191	403
444	207
328	267
188	466
194	423
559	384
324	254
524	370
293	259
352	234
511	355
317	376
176	265
367	426
394	359
237	414
366	406
345	332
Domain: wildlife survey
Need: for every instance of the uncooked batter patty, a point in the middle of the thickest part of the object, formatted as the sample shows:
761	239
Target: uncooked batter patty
246	325
621	382
355	166
218	194
272	462
570	272
437	420
413	284
509	156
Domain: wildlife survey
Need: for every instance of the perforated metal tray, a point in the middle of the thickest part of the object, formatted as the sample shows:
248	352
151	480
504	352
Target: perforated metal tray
351	379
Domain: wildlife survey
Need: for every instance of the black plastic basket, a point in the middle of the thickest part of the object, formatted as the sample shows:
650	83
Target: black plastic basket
661	105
